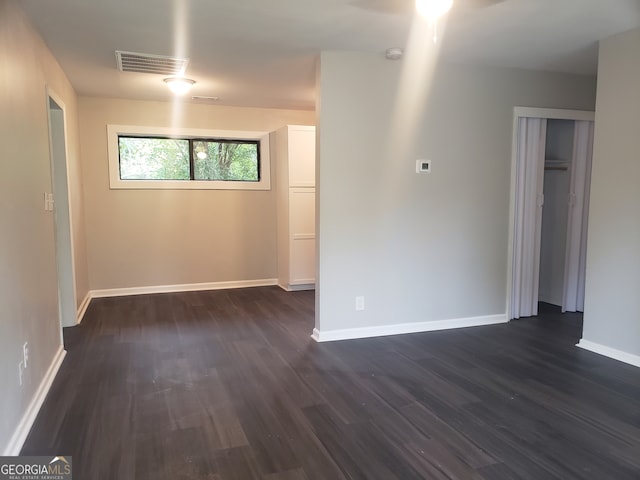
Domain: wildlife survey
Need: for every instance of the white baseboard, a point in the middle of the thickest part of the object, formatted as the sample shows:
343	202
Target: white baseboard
189	287
402	328
297	288
625	357
23	428
82	309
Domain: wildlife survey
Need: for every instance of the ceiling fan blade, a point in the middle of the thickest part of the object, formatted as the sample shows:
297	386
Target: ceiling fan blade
476	3
407	6
385	6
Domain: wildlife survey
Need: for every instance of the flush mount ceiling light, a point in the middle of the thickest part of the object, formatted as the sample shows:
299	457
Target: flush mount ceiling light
205	98
393	53
200	149
433	9
179	85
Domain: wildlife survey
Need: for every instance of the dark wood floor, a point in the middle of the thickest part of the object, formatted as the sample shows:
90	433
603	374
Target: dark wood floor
228	385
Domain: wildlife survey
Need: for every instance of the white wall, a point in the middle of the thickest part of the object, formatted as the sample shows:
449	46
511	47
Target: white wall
419	248
28	288
151	238
612	302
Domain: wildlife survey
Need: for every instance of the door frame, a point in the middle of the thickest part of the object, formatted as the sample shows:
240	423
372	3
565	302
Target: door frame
530	112
63	224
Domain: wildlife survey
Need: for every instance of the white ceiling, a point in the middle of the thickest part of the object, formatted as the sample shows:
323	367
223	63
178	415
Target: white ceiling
262	53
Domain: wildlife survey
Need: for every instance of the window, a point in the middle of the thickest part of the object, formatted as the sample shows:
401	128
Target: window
148	157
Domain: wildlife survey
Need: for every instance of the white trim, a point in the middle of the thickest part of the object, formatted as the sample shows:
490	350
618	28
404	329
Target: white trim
297	287
613	353
402	328
303	281
554	113
26	422
301	187
189	287
302	128
303	236
52	95
519	112
114	159
512	210
82	309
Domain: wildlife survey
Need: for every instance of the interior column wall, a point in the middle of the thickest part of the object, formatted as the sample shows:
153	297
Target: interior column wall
419	248
612	303
28	279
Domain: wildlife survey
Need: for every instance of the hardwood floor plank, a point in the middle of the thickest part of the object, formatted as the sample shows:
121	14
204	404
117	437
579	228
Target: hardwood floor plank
355	457
498	471
297	474
433	427
228	384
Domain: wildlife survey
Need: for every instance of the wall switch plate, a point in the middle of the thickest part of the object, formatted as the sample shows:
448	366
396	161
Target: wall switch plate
359	303
423	166
48	202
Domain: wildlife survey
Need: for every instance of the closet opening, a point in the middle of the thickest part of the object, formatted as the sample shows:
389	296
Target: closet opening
555	210
551	175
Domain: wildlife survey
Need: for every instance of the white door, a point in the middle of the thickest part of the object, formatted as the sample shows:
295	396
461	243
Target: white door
64	256
529	200
576	254
526	206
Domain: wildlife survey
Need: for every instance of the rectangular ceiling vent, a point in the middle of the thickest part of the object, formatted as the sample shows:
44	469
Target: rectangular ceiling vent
147	63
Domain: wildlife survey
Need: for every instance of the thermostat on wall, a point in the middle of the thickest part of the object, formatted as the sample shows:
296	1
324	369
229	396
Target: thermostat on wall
423	166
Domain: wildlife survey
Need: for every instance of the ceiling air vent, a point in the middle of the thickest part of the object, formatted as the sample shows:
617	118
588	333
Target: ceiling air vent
146	63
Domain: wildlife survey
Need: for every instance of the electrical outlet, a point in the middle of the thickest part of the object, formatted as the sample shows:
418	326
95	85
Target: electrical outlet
25	354
20	372
359	303
423	166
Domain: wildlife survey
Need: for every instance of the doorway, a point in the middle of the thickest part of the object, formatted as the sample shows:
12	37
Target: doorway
62	217
551	173
555	211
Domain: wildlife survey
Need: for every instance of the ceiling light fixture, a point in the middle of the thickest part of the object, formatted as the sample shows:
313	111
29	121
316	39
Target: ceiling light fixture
393	53
205	98
433	9
179	85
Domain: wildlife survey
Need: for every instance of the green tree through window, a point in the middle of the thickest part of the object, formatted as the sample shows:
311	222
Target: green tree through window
154	158
218	160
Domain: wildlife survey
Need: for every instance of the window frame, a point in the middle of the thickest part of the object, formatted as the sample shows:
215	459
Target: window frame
115	182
